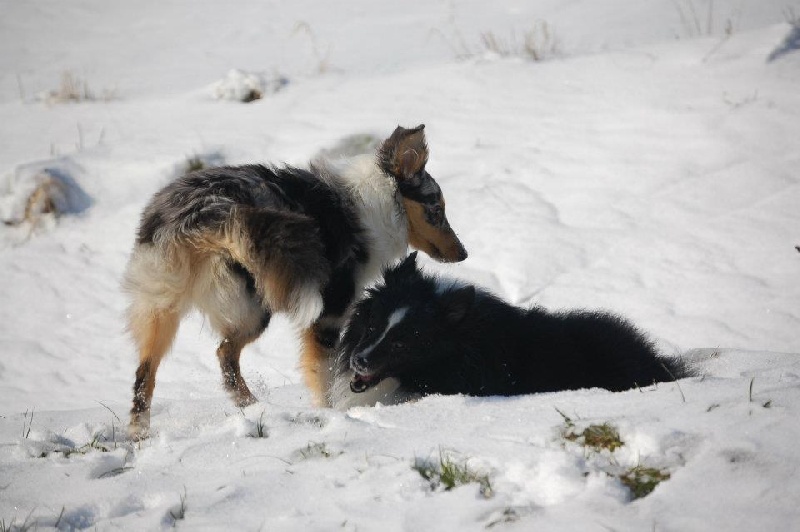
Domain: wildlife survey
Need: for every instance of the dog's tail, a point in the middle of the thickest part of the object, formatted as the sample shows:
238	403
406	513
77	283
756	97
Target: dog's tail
284	253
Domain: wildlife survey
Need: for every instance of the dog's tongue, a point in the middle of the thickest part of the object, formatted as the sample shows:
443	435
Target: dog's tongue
360	383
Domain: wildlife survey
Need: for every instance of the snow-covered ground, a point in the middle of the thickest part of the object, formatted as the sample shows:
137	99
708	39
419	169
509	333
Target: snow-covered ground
649	165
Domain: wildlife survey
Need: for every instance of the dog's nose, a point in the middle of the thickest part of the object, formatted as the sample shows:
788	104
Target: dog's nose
359	362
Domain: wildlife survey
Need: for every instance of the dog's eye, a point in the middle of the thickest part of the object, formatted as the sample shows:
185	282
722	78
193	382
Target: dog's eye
435	215
437	211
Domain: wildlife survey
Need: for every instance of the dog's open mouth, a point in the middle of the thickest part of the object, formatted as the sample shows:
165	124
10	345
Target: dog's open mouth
361	383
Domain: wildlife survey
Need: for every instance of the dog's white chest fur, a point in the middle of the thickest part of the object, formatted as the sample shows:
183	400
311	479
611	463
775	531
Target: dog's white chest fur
383	218
380	212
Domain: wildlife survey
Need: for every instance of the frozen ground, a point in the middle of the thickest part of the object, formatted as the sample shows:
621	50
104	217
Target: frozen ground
649	165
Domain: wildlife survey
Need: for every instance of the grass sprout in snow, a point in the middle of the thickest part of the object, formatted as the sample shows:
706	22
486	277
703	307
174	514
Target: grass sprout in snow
199	161
596	437
447	473
179	513
96	444
261	428
537	44
640	480
12	525
74	89
697	24
27	422
315	450
194	163
643	480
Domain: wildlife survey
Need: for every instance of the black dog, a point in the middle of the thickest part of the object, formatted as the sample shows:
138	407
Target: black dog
434	336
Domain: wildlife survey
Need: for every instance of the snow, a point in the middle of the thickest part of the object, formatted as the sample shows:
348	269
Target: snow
648	166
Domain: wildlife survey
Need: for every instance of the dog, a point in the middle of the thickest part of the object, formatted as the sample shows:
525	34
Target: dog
240	243
415	335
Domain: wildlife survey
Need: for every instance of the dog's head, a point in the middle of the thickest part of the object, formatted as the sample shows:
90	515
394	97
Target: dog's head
404	156
403	326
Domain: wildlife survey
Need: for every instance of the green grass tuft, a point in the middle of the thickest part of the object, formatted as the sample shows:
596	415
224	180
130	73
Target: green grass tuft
597	437
447	473
315	450
640	480
98	443
260	428
643	480
194	163
94	445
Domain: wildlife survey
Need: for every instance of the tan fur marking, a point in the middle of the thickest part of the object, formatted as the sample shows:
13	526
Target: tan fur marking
153	334
275	283
277	287
312	359
442	244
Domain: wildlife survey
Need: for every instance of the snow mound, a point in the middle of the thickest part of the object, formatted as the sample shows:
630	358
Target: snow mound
790	44
42	190
242	86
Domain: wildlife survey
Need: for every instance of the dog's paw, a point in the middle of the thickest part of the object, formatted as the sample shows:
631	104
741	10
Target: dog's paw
139	428
138	434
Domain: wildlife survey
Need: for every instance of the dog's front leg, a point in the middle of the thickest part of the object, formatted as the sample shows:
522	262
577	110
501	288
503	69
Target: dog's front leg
317	359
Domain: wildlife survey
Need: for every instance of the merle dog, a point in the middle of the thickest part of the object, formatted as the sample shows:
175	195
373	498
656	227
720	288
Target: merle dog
241	243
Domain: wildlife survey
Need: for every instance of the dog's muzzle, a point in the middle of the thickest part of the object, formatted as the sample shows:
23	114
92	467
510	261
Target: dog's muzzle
362	379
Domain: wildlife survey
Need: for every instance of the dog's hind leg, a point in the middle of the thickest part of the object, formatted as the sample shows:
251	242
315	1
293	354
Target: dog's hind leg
228	352
154	334
224	291
156	280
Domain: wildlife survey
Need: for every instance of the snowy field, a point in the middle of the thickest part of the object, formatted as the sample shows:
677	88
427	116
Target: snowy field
640	157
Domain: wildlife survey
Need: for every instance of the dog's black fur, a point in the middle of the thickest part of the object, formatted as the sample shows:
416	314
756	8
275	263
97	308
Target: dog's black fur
455	339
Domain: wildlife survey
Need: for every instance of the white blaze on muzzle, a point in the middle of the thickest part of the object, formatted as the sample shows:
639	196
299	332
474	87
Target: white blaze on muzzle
394	319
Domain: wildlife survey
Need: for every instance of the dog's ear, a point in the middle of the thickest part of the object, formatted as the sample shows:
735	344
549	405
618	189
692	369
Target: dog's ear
405	269
409	264
404	155
457	303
